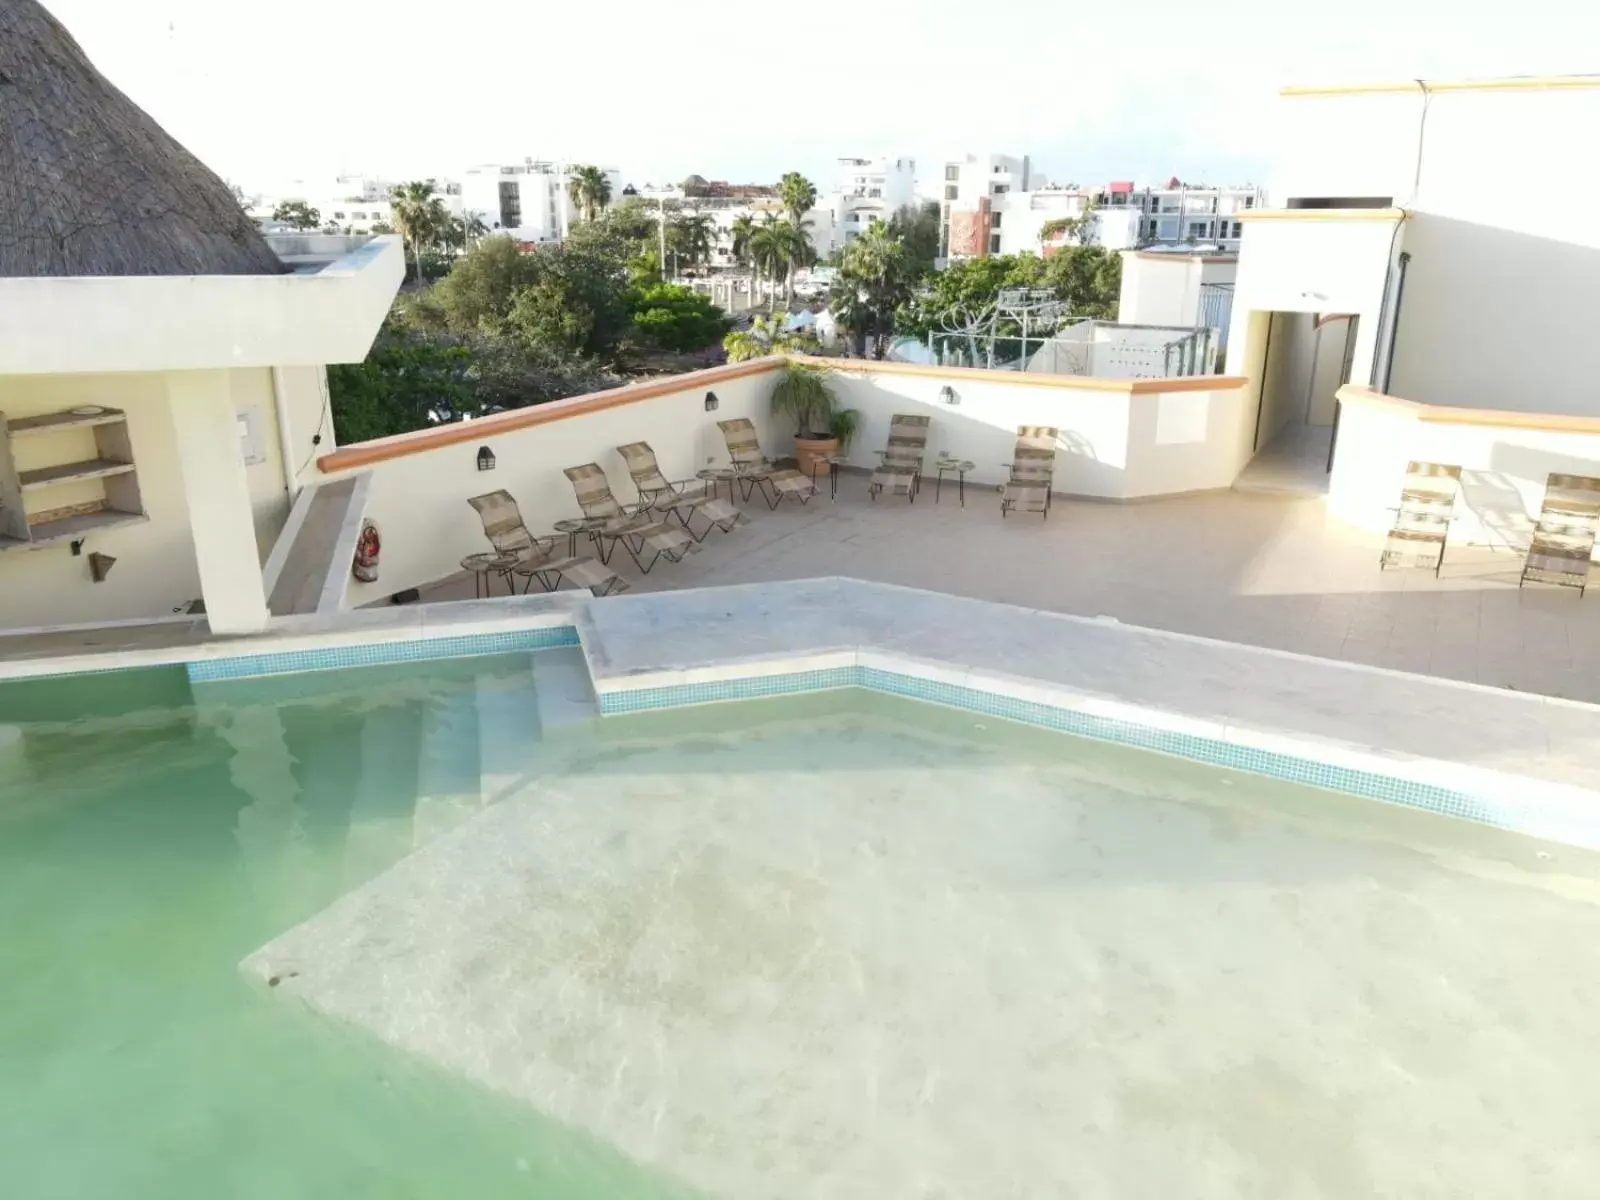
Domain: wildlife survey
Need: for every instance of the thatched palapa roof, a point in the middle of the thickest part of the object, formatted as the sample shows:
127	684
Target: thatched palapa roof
90	185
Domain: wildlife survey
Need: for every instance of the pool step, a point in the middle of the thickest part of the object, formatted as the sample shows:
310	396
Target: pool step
381	813
509	731
449	778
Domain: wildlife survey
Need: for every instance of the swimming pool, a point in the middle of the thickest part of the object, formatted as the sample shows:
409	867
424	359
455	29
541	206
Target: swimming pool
840	944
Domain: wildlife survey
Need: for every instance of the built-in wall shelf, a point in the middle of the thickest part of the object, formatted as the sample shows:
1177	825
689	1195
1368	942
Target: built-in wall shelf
107	481
94	468
57	422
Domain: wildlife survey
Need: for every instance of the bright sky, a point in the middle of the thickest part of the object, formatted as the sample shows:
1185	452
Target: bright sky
273	90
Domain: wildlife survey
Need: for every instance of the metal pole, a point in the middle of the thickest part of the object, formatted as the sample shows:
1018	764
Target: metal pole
661	202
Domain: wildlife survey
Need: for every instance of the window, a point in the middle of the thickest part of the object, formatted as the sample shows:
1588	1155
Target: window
510	204
1249	201
994	243
1000	189
338	216
952	173
997	170
950	191
1238	229
358	216
875	193
994	220
1197	229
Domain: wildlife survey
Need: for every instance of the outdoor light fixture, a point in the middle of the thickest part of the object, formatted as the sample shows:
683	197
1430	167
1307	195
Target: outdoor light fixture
485	459
948	395
711	402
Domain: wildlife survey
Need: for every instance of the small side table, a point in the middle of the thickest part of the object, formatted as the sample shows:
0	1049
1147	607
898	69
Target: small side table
834	461
960	467
713	477
573	526
484	567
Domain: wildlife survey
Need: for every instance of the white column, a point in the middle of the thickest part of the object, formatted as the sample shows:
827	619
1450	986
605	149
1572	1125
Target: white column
218	498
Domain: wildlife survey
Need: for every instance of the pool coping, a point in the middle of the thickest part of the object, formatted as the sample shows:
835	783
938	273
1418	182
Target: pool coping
1177	694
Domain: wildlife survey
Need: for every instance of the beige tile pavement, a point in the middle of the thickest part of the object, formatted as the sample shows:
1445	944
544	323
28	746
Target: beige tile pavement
1264	569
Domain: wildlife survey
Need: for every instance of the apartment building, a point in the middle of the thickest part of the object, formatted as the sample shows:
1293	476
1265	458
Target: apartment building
1179	212
865	190
527	200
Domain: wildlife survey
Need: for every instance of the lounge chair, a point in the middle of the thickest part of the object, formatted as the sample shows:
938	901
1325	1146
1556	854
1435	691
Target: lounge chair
638	529
757	471
1422	519
901	467
504	527
1563	540
665	496
1033	469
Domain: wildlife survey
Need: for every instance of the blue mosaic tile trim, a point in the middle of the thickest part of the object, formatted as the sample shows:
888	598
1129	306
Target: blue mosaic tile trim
678	695
1509	814
339	658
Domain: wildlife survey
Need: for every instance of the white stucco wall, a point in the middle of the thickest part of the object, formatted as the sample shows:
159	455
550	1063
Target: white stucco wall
1503	278
1115	443
420	501
198	322
1504	468
1159	290
155	569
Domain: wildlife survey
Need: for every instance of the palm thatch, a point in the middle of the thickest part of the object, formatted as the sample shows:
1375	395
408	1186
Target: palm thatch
90	185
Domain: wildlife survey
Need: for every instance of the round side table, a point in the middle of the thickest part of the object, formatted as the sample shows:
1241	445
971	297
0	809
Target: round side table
959	467
573	526
484	567
834	461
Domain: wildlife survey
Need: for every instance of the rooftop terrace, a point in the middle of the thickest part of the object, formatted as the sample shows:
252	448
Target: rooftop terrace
1266	570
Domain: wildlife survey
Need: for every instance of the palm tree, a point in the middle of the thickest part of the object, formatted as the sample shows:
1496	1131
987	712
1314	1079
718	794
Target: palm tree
741	229
589	190
694	237
781	247
419	215
799	195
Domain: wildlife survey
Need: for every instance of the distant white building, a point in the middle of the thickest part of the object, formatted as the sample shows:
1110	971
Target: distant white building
865	190
984	213
1178	213
526	200
349	204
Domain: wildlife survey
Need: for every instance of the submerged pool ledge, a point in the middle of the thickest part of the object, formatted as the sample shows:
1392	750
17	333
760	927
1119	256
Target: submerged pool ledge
1500	758
1508	759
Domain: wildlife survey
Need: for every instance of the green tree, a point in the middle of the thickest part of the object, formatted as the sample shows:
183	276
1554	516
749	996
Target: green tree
1088	278
780	247
672	317
477	295
297	214
460	233
918	227
799	195
693	238
407	381
589	190
419	215
744	225
876	276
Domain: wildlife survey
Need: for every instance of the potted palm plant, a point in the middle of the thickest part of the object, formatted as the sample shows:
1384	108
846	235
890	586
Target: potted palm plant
822	428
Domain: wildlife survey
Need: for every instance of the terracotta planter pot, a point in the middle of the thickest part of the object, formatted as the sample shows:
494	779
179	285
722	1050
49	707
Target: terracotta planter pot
807	450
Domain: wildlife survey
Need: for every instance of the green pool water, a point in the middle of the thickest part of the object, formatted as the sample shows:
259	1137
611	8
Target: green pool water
148	842
837	945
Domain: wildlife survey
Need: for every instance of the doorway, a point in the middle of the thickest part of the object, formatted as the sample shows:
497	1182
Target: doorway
1306	359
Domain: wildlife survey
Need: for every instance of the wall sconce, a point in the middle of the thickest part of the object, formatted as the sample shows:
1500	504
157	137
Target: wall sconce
711	402
485	459
100	566
948	395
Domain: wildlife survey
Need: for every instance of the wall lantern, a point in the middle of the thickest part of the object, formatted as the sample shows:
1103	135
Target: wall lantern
711	402
485	459
948	395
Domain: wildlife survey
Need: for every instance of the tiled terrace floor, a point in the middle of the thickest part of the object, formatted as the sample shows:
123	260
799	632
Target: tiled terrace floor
1263	569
